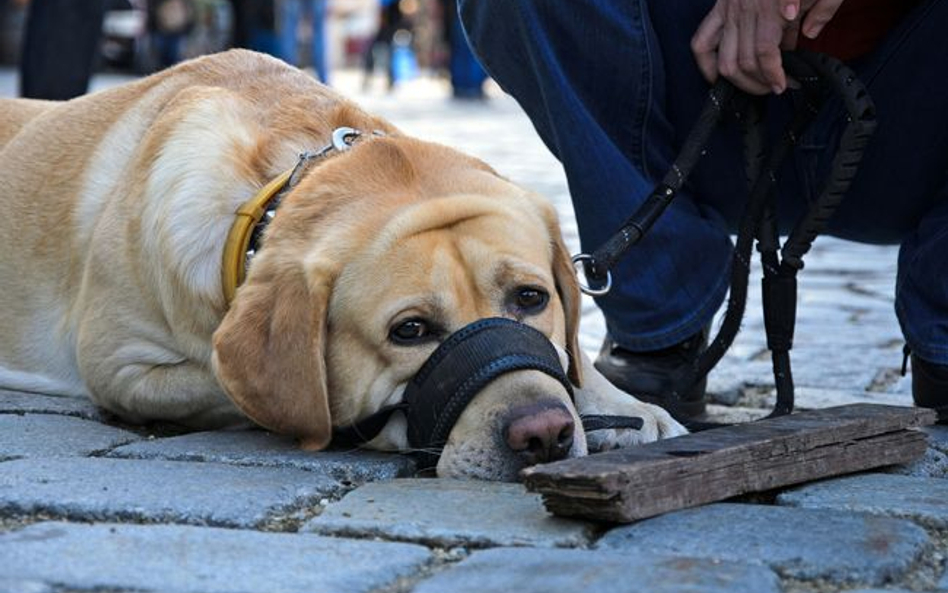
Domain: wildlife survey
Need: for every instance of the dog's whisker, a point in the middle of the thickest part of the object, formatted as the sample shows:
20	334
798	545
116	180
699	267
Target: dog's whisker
428	450
349	450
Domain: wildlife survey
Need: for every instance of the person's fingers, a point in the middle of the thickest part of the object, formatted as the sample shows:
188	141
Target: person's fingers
727	50
728	66
750	85
821	13
790	9
729	42
767	49
704	43
790	36
747	43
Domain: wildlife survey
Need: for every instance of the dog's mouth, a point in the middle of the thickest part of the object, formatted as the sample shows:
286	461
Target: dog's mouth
513	438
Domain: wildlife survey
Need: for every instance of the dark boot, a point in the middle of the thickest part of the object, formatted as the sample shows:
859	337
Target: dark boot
930	386
648	375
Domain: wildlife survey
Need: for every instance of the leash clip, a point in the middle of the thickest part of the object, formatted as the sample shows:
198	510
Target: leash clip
342	138
588	263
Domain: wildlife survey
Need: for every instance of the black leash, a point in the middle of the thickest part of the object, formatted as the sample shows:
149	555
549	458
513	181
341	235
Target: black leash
477	354
820	78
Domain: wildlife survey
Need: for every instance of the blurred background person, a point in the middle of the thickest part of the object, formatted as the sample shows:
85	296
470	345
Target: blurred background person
255	26
407	40
291	15
239	34
467	74
60	44
169	23
391	21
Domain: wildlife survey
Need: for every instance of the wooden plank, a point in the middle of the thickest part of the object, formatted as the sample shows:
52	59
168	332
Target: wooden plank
630	484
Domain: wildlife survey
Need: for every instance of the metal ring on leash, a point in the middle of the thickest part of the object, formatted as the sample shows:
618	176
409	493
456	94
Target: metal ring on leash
342	138
580	258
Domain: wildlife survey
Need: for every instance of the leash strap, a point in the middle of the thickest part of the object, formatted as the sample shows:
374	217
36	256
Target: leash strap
820	77
366	429
598	264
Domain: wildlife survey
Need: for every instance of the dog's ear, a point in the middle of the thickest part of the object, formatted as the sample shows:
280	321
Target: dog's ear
567	286
269	354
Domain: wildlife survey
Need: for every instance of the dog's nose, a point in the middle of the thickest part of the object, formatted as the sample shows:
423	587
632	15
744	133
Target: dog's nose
539	433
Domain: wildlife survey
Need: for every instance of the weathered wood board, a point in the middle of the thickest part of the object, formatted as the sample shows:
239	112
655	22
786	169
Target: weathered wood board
626	485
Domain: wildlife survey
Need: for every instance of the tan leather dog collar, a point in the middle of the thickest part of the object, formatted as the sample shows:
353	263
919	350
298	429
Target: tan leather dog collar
253	215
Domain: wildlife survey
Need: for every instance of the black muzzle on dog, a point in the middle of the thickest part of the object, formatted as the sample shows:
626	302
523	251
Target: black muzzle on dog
456	372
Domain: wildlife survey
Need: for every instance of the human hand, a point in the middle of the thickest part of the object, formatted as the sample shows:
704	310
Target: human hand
742	39
817	14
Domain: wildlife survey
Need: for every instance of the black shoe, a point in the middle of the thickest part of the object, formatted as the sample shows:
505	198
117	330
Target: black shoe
930	386
648	375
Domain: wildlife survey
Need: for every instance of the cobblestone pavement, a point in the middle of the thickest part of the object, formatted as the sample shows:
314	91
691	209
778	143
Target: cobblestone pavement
89	504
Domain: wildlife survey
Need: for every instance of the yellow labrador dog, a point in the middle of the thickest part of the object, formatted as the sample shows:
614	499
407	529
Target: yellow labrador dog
116	210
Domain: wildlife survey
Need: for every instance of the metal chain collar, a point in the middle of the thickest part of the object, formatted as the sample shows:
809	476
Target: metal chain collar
342	140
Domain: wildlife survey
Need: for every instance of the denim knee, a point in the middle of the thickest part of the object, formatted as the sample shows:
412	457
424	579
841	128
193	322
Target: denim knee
489	25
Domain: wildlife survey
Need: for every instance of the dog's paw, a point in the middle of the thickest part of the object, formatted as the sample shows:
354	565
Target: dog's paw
658	424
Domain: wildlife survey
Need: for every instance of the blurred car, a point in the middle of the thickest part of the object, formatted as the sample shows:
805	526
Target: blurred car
124	35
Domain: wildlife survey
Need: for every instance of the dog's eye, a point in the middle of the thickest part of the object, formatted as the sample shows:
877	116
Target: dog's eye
531	300
410	332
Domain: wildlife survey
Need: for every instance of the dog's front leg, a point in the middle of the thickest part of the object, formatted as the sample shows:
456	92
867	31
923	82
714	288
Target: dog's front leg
141	381
599	396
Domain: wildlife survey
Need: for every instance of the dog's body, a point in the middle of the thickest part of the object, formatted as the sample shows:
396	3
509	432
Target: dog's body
116	209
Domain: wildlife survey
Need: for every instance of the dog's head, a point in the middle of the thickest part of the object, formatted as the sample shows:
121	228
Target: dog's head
375	258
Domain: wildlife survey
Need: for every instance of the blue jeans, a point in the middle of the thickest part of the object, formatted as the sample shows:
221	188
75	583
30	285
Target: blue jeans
467	75
612	88
290	12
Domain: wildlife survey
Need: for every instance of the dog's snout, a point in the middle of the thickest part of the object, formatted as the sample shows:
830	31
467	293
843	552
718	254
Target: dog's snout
539	433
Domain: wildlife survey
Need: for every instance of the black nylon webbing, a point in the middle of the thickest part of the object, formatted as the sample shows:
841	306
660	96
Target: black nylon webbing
456	372
461	367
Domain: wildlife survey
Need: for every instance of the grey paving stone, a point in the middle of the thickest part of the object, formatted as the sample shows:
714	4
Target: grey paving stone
11	585
183	559
729	388
449	513
937	437
170	491
846	378
814	398
18	402
879	591
932	464
850	368
734	414
798	543
257	447
503	570
47	435
924	500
